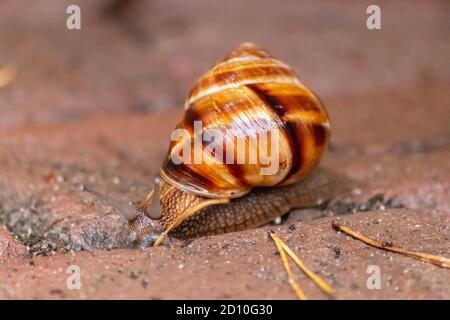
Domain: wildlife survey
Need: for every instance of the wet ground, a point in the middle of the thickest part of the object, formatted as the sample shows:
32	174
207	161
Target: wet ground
96	106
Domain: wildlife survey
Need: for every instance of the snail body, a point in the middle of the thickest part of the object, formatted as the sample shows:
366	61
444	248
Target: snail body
253	94
260	206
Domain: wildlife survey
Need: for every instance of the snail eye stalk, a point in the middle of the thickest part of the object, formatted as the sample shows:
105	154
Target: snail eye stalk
155	211
127	210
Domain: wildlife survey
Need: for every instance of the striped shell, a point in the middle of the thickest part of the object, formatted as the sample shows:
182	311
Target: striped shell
253	93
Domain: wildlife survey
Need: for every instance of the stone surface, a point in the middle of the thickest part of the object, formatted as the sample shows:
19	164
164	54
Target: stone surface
97	106
10	248
245	265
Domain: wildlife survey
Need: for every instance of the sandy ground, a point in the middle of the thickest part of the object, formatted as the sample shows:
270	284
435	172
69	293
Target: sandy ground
96	107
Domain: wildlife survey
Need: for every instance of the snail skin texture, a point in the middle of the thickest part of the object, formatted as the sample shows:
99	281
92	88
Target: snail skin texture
251	91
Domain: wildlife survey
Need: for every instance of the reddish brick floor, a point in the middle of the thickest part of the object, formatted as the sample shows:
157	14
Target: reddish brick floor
96	106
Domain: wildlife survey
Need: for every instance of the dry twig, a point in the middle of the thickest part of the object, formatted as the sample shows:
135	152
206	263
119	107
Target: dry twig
436	260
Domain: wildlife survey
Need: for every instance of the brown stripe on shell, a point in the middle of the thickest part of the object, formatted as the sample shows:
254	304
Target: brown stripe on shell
320	134
186	174
229	107
183	172
304	110
190	116
236	170
301	105
248	73
273	103
217	79
306	101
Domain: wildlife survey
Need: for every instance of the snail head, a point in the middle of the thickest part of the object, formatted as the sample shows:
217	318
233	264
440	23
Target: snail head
142	219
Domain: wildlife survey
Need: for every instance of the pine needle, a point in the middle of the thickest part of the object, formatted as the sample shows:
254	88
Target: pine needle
322	284
436	260
285	262
282	248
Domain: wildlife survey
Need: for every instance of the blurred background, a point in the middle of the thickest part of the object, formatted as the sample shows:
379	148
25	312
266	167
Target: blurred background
137	56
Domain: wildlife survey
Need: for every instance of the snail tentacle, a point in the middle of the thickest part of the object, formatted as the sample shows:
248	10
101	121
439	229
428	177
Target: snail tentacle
155	211
127	210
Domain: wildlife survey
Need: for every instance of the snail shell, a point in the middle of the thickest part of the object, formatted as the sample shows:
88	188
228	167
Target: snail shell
253	94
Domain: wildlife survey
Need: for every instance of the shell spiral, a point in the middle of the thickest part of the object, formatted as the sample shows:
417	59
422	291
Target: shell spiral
252	95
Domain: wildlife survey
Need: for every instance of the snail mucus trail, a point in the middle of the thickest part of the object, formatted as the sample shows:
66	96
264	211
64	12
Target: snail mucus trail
246	90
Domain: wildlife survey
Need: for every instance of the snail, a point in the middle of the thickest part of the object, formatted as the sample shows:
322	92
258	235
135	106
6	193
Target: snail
252	93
